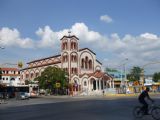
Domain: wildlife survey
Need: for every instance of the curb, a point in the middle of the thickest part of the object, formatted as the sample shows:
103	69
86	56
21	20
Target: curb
122	95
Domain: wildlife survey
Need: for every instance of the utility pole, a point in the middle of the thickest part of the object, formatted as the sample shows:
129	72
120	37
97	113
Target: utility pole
123	80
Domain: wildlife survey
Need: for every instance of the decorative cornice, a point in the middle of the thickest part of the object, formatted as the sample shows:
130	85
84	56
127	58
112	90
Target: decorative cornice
10	74
98	61
69	37
87	49
44	58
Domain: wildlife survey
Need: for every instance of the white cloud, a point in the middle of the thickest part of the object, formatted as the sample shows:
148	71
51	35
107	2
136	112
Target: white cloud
149	36
138	49
86	35
11	37
106	18
48	38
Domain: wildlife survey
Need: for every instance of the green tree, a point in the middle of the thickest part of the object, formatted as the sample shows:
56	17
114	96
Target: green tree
156	76
134	74
50	76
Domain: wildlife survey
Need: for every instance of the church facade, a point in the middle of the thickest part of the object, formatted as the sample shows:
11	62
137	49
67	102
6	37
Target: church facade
84	70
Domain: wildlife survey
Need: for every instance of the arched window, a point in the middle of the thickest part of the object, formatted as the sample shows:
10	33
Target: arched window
85	83
75	58
72	70
74	45
71	58
75	70
86	62
11	79
32	75
71	45
82	63
27	75
65	69
65	58
90	64
37	74
65	45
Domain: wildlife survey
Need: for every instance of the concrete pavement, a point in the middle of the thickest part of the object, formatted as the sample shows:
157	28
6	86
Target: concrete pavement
71	108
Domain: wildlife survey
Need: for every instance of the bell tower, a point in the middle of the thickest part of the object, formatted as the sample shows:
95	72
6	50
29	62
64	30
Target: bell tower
69	54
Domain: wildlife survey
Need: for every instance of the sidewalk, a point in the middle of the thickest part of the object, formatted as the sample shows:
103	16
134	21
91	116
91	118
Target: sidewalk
130	95
96	96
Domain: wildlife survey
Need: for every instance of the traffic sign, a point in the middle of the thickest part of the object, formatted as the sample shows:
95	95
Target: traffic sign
58	85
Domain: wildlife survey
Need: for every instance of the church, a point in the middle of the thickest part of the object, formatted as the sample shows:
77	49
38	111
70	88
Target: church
83	68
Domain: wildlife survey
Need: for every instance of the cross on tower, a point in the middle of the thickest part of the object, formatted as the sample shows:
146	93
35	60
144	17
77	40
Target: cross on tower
69	32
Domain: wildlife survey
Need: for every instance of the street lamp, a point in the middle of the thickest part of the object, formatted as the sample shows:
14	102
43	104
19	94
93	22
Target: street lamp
123	80
142	72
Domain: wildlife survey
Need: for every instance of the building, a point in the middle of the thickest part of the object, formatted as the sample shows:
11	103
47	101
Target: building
10	77
84	70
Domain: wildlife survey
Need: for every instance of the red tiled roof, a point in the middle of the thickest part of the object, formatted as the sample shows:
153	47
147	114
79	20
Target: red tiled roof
97	74
10	69
42	65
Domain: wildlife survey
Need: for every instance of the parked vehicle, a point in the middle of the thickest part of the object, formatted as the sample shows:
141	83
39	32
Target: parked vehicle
24	95
33	94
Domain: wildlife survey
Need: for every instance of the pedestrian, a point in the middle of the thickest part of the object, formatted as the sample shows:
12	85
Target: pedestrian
4	96
17	94
103	92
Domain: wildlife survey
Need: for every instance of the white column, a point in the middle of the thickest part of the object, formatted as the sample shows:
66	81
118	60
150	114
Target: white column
96	84
113	83
89	85
99	84
110	86
103	84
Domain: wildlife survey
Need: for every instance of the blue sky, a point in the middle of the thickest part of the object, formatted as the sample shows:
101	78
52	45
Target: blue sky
113	29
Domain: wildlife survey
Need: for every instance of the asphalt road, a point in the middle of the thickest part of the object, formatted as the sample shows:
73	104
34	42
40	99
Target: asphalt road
97	108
